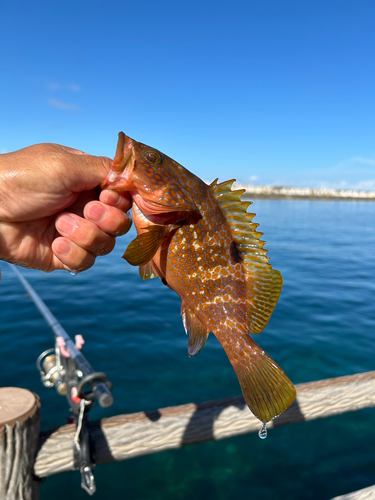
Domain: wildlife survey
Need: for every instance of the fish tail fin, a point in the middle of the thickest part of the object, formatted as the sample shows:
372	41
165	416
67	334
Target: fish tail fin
266	388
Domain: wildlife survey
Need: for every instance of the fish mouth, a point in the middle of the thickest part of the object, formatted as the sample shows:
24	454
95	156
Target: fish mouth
138	213
123	163
124	152
114	182
148	218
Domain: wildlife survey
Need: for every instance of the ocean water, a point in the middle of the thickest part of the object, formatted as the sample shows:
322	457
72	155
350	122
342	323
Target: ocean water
323	326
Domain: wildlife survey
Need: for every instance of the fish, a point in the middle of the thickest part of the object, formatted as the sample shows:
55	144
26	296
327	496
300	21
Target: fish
202	243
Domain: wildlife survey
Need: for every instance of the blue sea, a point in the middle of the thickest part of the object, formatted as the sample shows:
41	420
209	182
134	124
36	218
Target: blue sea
323	326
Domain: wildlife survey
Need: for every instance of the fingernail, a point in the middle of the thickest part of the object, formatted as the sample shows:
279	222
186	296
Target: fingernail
65	224
96	212
63	246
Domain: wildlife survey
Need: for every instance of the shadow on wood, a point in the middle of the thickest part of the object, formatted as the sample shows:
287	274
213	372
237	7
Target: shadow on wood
126	436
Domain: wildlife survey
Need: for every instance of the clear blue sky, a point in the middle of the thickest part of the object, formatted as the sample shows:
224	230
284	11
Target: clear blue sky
265	91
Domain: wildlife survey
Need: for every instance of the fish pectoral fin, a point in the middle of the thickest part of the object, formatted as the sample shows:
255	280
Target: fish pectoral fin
146	272
141	250
198	333
266	388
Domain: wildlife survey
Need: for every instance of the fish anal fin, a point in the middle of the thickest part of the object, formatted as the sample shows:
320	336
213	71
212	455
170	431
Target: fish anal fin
146	272
197	332
141	250
266	388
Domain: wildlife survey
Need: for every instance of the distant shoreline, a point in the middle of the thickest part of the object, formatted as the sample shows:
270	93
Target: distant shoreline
289	192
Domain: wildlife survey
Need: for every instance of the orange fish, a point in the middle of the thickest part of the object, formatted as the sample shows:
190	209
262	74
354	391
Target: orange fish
201	242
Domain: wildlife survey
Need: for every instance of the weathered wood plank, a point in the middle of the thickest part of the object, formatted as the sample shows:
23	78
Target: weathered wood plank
365	494
126	436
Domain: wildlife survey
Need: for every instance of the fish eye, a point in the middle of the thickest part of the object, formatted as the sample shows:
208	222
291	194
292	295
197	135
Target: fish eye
152	156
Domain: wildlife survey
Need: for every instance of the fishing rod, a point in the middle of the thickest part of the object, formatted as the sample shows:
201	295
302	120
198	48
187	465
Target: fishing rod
66	368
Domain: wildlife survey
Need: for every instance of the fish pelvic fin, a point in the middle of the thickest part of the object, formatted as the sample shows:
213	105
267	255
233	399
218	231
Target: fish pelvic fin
266	388
141	250
198	333
263	284
146	272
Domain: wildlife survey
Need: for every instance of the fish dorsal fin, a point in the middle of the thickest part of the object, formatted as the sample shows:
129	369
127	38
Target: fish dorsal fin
262	282
197	332
146	271
141	250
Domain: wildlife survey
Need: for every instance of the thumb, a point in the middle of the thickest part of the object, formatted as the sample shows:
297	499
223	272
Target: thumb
88	171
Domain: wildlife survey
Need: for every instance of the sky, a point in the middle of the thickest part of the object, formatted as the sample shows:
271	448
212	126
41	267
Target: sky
264	91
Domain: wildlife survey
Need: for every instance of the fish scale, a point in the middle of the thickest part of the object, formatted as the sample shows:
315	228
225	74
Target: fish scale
201	242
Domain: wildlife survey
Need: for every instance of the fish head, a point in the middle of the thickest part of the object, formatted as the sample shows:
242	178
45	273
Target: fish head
154	181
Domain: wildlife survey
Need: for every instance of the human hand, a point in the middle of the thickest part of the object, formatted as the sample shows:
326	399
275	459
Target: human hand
51	213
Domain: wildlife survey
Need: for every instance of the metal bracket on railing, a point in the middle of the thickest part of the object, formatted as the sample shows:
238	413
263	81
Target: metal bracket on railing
84	449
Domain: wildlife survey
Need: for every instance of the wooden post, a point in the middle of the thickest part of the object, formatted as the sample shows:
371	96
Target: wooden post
19	434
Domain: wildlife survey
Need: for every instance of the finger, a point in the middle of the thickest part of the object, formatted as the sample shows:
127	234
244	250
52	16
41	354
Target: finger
109	219
85	234
73	257
120	200
83	198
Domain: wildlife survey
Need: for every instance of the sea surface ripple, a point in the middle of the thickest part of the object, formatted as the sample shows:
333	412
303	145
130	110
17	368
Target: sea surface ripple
323	326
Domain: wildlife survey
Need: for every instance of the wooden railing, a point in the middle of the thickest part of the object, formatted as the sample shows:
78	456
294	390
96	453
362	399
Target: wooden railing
126	436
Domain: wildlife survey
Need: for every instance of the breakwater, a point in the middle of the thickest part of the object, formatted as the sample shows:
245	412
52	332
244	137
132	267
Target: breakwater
286	192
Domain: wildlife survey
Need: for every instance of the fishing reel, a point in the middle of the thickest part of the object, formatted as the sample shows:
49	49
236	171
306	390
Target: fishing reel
57	369
52	372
